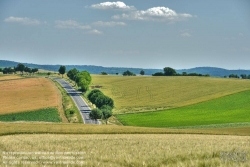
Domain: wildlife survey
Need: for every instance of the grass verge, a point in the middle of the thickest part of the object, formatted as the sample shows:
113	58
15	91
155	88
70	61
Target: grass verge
70	109
229	109
45	115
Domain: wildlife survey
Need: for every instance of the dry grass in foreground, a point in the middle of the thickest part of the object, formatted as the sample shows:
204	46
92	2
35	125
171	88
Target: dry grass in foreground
28	94
9	77
126	150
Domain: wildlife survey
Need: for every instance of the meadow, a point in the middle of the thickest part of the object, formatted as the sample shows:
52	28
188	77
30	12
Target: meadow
228	109
46	115
147	93
125	150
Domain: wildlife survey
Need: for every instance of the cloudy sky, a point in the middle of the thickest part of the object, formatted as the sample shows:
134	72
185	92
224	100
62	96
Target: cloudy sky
142	33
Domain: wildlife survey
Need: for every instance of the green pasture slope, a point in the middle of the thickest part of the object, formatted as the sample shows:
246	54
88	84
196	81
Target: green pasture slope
44	115
234	108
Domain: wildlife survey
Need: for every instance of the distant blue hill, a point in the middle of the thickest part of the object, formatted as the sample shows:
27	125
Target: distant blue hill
212	71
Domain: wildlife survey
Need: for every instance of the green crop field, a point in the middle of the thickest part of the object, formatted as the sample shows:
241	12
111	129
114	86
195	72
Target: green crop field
228	109
147	93
45	115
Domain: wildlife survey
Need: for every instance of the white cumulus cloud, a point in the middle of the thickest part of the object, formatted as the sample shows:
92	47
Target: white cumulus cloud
112	5
154	14
108	24
70	24
23	20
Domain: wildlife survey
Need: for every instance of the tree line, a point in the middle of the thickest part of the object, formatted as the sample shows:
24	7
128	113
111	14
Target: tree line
242	76
82	79
103	103
21	68
168	71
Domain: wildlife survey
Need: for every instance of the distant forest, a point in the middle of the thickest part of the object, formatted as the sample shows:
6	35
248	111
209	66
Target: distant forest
212	71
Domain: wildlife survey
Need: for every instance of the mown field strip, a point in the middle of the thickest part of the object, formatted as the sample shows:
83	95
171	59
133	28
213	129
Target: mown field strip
62	128
228	109
147	93
128	150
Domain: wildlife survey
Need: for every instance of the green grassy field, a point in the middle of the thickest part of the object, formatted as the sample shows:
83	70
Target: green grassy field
147	93
45	115
228	109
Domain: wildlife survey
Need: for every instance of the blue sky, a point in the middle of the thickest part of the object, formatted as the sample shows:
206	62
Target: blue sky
144	34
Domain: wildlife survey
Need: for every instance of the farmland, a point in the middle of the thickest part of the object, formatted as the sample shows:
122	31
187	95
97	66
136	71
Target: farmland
147	93
47	115
127	150
9	77
27	95
228	109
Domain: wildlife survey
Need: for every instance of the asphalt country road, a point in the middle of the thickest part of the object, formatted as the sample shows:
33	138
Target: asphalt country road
79	101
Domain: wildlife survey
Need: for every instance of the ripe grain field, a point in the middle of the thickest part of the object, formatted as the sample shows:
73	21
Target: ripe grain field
147	93
125	150
29	94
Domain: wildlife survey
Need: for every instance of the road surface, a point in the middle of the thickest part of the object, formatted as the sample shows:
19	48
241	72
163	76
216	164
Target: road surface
80	103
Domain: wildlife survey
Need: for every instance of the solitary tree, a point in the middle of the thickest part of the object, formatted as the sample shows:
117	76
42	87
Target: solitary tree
142	72
168	71
104	73
62	70
48	74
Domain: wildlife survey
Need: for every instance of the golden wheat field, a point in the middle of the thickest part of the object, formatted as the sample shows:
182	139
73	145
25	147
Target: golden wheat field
125	150
144	93
8	77
28	94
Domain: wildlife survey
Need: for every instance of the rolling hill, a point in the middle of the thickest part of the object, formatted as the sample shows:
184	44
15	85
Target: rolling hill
212	71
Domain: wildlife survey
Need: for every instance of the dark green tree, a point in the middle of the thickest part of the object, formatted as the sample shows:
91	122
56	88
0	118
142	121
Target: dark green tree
20	67
72	74
34	70
243	76
168	71
158	74
49	73
95	114
1	70
106	112
142	72
104	73
62	70
128	73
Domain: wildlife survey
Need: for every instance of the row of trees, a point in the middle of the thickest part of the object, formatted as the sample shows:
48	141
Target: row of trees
168	71
82	79
21	68
103	103
243	76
